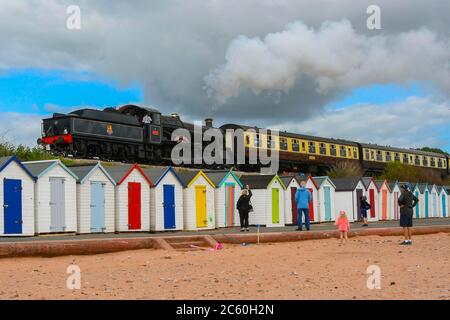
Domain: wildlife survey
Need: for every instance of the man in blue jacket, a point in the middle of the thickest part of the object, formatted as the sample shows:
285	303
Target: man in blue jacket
303	199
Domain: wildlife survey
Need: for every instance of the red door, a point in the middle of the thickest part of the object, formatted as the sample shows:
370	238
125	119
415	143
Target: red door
311	206
372	203
294	206
134	206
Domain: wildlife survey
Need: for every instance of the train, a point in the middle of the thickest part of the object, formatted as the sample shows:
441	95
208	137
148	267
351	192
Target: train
121	134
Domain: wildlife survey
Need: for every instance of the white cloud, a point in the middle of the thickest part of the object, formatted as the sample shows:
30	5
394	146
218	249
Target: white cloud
20	128
335	56
414	122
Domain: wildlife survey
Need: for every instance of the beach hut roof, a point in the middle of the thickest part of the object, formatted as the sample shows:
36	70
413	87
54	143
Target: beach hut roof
346	184
260	181
366	181
5	161
156	174
220	176
39	168
120	172
188	177
320	180
85	171
288	179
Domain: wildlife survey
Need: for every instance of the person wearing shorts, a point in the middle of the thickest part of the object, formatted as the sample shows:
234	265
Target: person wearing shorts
407	201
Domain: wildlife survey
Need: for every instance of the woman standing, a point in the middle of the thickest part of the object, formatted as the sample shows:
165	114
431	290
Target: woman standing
244	206
364	207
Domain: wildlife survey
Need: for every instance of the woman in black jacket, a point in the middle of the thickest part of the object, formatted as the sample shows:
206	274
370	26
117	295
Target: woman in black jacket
244	206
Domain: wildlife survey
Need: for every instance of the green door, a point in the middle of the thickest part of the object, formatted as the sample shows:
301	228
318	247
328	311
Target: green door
275	206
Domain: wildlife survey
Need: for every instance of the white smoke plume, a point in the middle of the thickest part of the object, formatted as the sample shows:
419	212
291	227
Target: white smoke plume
335	56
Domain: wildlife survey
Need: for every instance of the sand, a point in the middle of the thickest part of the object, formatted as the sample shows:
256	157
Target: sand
316	269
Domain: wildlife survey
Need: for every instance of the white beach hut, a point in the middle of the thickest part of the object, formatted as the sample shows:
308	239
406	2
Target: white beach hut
166	199
443	201
372	195
311	185
95	199
424	200
394	207
348	195
267	199
16	198
326	191
55	196
132	194
290	206
434	201
198	201
227	192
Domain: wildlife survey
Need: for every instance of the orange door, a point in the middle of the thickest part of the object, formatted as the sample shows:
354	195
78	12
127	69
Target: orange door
384	204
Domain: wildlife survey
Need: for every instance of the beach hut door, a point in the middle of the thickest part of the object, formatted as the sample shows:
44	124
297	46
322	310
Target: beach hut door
57	205
417	207
396	205
200	206
97	207
294	205
12	204
169	206
327	199
311	205
372	203
384	204
229	205
435	205
134	206
359	194
426	204
275	206
444	207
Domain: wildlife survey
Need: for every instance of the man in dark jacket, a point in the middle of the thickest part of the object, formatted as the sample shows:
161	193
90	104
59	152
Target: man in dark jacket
244	206
407	201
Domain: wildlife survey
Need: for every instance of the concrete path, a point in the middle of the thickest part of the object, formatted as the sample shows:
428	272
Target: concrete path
233	230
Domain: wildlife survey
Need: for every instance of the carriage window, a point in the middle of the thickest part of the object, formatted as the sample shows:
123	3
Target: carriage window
372	155
410	159
311	147
425	161
440	163
379	156
256	142
417	161
355	153
283	144
303	146
295	146
397	156
388	156
405	158
349	152
333	150
367	153
433	162
342	151
323	149
270	142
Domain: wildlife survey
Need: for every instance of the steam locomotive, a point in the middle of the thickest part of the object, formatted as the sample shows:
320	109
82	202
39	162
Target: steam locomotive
122	135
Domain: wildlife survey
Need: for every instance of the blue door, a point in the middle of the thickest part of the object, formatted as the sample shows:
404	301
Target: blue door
169	206
444	207
417	207
97	207
12	204
427	205
327	198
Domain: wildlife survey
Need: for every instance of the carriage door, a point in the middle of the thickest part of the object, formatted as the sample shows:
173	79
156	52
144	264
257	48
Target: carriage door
57	205
444	207
396	205
294	206
384	204
12	204
427	205
359	194
311	205
327	204
134	206
275	206
169	206
372	203
229	204
97	207
200	206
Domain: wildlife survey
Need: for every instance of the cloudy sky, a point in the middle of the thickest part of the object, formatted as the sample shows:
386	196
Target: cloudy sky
304	66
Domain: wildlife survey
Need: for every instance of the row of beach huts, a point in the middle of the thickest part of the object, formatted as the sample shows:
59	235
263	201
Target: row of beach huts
44	197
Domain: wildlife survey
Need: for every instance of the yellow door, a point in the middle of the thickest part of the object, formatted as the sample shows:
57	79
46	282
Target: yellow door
200	206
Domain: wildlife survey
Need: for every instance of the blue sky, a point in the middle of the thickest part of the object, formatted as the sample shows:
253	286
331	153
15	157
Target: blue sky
42	91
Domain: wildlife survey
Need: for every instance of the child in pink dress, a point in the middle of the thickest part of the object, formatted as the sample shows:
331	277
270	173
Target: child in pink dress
343	225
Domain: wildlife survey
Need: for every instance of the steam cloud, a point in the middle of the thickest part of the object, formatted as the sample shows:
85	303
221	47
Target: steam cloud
335	56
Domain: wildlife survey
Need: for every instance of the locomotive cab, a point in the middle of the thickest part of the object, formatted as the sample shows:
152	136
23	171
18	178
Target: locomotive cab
149	118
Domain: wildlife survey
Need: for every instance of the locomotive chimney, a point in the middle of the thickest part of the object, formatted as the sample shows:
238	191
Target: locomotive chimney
175	115
209	122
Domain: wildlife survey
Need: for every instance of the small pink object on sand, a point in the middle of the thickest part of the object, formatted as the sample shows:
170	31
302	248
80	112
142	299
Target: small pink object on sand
218	246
